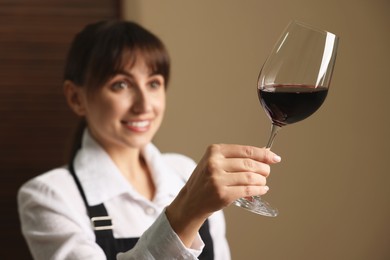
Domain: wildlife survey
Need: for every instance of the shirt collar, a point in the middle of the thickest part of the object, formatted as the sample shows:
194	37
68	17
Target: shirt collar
101	179
167	181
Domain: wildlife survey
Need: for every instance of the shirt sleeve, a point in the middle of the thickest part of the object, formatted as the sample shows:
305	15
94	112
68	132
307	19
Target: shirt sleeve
161	242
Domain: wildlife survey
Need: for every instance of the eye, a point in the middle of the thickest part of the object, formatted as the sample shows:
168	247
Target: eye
119	85
156	83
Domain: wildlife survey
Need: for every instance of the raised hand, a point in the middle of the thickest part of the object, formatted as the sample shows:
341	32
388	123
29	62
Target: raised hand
225	173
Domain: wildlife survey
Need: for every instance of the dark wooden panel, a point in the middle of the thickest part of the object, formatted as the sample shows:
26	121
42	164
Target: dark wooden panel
36	126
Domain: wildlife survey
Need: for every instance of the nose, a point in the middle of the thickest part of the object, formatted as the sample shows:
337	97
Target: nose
141	102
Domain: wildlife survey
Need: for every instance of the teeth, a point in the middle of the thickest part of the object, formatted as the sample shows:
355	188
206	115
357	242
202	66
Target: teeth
139	124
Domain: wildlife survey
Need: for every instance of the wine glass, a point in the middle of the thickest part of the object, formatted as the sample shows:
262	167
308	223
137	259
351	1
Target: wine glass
293	83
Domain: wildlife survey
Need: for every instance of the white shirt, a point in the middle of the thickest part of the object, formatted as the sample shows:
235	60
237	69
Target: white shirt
55	223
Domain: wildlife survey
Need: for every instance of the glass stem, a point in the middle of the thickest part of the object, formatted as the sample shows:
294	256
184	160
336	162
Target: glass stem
274	131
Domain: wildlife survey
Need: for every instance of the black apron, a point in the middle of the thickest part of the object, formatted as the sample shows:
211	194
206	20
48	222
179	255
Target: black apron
112	246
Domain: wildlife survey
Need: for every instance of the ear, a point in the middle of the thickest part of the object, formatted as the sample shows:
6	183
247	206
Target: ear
75	97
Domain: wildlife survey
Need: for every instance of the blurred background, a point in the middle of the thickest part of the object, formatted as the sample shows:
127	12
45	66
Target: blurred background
332	186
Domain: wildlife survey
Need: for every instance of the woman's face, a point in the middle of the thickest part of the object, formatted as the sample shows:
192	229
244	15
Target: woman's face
127	111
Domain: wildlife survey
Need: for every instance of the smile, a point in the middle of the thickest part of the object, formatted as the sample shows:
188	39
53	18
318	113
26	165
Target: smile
138	126
139	123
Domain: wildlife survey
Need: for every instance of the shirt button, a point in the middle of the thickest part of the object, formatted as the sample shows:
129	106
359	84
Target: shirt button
150	211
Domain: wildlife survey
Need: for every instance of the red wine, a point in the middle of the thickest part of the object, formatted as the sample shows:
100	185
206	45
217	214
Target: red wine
287	104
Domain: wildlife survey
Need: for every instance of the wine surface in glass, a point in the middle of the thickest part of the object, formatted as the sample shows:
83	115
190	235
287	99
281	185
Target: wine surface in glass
287	104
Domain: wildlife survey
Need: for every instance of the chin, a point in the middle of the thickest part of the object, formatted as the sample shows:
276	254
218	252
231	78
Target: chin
138	140
139	144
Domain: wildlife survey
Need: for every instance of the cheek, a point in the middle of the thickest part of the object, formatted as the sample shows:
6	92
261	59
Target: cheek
106	108
160	105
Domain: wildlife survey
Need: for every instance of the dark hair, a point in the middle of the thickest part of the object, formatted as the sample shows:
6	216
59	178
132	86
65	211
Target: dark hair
101	49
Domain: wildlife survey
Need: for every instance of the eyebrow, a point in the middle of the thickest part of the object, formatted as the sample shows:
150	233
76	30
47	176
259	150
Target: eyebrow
123	72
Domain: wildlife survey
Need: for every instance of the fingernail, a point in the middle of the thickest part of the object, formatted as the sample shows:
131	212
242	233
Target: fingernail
277	158
266	188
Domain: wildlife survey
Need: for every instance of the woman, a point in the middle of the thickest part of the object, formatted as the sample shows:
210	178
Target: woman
119	197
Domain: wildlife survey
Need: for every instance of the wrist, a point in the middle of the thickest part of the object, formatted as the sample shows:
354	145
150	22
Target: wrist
184	218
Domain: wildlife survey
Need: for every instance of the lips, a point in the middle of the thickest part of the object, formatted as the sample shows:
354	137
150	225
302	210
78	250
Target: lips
138	126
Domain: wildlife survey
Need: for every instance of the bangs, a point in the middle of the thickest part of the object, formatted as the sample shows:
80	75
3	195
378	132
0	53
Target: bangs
156	61
120	44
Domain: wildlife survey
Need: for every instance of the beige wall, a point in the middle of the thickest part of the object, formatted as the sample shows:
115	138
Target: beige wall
332	188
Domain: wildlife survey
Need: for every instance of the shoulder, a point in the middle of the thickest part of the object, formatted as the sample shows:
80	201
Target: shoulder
178	159
52	185
182	164
51	178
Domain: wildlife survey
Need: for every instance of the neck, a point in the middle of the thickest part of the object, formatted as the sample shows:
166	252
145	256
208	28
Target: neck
133	167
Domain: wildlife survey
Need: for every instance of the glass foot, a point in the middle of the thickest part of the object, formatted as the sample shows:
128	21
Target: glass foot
257	205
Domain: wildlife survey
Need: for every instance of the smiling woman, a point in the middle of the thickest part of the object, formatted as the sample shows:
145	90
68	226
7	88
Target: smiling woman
118	75
119	197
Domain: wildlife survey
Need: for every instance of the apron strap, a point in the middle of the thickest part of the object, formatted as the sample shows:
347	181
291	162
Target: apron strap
101	221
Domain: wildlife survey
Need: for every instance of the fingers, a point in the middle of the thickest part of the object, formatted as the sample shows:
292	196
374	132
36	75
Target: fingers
243	151
244	179
239	158
230	194
246	165
247	191
227	172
